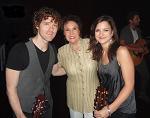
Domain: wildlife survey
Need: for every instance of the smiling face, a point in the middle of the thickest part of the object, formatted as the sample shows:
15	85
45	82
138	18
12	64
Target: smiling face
103	32
47	29
72	32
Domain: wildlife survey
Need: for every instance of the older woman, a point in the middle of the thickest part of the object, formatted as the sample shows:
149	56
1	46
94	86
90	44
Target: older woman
80	68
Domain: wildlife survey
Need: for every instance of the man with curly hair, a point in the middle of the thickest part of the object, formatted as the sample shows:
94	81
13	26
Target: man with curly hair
29	66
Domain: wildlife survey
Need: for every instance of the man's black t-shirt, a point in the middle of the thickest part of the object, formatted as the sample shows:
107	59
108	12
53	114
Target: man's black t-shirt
18	58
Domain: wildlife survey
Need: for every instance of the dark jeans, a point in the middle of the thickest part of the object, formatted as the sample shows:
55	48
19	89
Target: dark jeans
143	78
122	115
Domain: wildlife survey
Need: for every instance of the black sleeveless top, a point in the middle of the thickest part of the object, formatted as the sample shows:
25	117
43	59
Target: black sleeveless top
111	78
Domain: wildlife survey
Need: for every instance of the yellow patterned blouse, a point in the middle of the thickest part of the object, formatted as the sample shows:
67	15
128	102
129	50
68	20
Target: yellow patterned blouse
82	76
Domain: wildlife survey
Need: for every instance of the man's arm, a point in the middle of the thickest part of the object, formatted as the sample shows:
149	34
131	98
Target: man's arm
12	78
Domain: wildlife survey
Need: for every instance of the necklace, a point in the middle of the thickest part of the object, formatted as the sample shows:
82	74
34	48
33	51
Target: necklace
76	47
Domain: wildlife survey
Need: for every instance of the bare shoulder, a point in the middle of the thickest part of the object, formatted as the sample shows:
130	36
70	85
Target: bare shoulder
122	50
123	54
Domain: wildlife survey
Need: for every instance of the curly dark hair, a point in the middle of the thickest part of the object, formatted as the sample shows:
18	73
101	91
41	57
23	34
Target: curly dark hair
74	18
44	13
96	47
132	14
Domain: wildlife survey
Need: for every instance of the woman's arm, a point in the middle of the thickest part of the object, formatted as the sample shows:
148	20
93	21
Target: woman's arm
127	68
58	70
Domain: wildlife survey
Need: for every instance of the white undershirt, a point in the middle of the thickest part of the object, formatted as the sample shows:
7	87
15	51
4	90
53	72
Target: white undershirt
135	35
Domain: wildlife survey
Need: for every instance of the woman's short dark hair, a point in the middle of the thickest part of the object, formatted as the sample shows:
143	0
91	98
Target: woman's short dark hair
74	18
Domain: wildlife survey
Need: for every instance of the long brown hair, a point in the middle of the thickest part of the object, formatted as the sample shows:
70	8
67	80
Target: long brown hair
96	47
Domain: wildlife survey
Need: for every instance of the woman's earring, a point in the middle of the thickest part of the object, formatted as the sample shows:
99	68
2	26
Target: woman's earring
110	40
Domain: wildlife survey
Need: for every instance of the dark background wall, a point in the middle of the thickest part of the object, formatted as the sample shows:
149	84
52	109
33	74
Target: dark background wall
16	15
